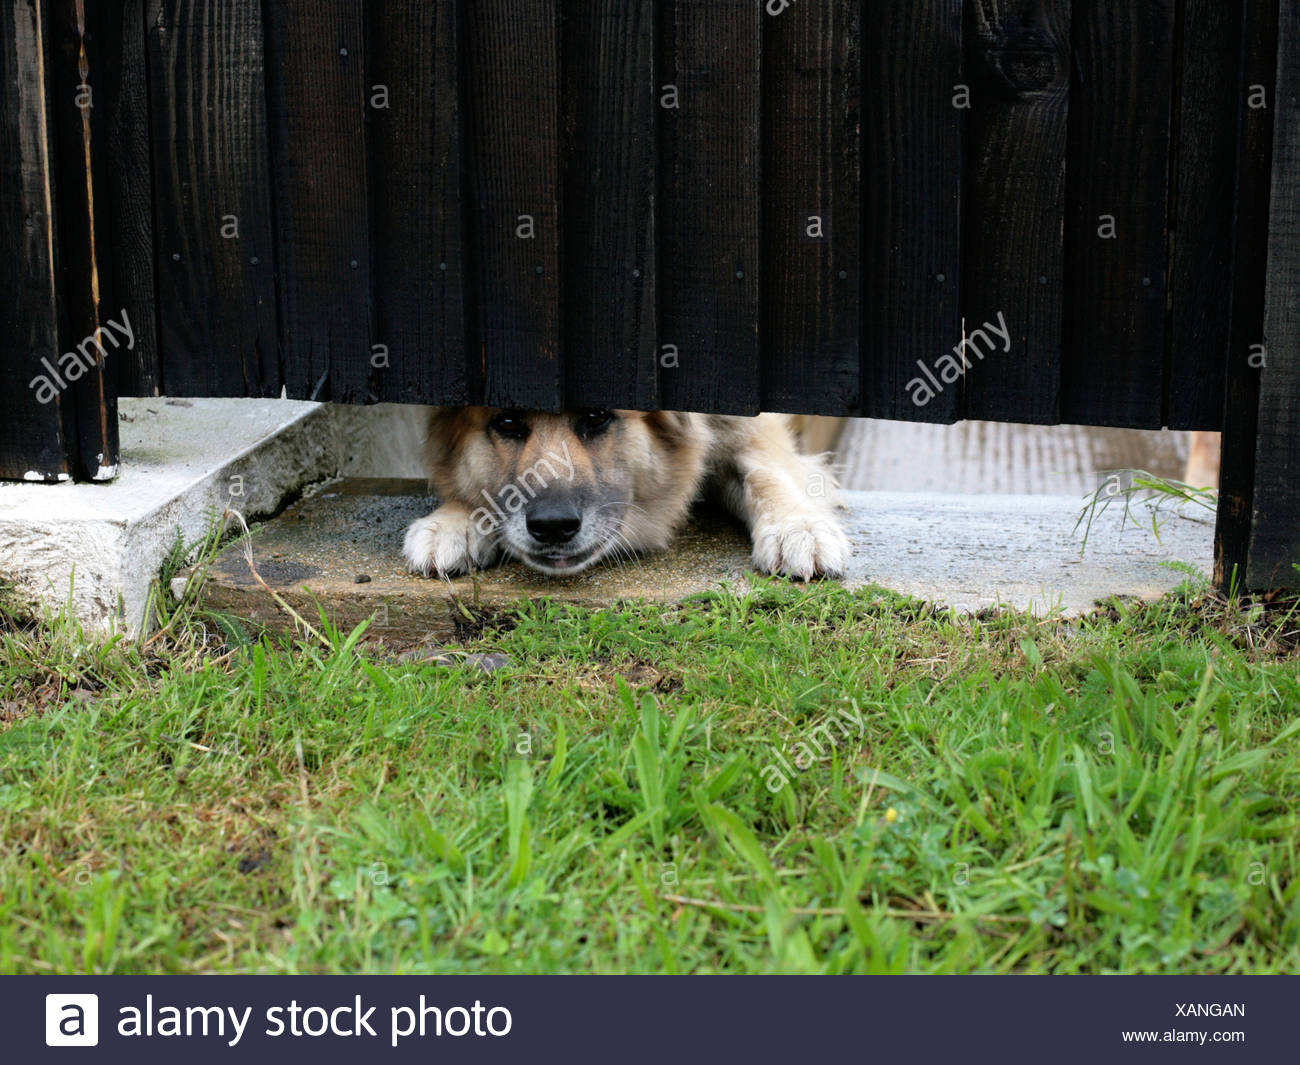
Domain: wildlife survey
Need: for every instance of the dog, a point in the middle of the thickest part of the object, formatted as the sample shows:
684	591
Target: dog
562	492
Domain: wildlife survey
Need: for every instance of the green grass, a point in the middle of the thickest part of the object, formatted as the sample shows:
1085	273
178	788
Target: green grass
1006	794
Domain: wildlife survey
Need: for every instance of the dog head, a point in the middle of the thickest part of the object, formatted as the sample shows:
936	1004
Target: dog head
562	491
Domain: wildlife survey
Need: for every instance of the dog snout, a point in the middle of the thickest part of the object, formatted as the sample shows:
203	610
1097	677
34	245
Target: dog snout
554	521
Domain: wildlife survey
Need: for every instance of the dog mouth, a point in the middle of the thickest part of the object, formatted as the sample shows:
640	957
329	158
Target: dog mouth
553	562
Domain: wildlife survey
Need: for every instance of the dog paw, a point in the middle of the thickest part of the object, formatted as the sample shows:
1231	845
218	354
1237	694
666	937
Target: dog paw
445	545
802	548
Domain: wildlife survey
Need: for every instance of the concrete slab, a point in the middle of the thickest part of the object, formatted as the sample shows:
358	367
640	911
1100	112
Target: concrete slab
340	547
975	551
181	461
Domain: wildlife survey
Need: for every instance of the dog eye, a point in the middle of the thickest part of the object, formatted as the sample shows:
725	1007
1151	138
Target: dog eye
594	421
510	424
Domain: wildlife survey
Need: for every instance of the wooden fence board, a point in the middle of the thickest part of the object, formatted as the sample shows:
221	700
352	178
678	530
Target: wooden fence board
810	272
911	195
316	104
1250	214
608	130
709	204
212	199
512	109
33	441
124	201
417	207
1203	182
1018	66
89	292
1116	184
1275	534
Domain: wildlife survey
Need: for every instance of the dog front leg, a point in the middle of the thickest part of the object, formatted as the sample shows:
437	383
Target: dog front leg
788	502
448	542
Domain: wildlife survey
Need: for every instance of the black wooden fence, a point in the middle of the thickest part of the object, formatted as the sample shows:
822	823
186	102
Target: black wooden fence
821	206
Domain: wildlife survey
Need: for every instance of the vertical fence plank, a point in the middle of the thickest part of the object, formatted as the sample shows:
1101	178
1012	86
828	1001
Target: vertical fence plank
1202	185
512	106
124	201
1018	65
1275	530
911	192
88	290
417	211
212	197
810	269
608	186
316	101
708	210
1115	219
1250	220
33	442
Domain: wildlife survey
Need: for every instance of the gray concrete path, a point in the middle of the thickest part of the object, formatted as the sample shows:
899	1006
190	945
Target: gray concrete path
340	547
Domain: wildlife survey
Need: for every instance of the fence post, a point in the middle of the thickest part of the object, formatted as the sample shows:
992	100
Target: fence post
1251	227
1275	524
36	442
79	74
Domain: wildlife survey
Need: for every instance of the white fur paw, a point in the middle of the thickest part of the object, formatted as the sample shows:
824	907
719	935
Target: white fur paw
801	547
445	545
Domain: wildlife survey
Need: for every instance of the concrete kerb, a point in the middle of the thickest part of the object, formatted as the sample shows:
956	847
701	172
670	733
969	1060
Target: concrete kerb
97	548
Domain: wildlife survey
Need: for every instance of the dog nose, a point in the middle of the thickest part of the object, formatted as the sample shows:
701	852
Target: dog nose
554	523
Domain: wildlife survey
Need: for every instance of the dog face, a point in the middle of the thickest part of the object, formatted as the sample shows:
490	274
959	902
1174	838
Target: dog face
562	491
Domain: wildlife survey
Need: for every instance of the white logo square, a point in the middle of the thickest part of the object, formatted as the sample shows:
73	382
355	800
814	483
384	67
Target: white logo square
71	1020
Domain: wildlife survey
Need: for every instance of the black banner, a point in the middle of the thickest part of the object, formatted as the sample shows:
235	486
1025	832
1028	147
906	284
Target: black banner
647	1019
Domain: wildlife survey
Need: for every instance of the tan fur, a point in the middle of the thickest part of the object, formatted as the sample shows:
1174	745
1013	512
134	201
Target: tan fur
630	487
817	434
1203	460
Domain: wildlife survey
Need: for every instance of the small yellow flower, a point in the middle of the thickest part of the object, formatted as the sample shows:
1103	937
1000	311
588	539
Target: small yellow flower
891	815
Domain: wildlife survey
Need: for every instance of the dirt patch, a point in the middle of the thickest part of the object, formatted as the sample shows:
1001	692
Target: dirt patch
473	622
636	674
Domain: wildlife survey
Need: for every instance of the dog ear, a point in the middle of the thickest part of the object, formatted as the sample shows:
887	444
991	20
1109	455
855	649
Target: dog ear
442	420
450	426
447	430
